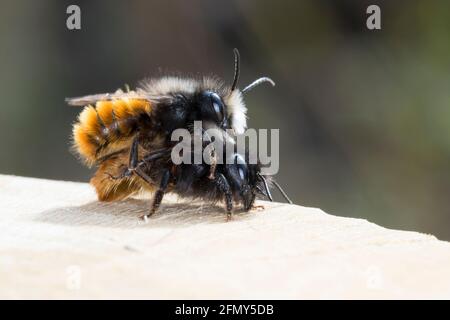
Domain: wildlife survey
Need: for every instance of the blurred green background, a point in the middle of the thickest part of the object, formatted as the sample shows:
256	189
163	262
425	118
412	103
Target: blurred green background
364	116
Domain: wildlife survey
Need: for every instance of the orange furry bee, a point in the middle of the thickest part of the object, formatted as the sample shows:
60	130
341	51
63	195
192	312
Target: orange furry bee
117	131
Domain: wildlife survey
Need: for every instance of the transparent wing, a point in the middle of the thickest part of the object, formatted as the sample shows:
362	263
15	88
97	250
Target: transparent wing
92	99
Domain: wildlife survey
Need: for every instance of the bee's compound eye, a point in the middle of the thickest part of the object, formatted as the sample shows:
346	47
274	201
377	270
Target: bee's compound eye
217	104
242	166
242	173
238	159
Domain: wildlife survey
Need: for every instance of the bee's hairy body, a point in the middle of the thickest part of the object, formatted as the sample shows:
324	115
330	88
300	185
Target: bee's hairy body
106	127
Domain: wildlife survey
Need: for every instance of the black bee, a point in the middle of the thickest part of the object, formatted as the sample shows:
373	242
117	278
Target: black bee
234	181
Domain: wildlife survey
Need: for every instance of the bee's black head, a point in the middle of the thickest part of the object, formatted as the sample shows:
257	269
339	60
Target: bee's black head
246	180
212	108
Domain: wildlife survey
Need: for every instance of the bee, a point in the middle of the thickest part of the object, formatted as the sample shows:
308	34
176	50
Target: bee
127	135
235	180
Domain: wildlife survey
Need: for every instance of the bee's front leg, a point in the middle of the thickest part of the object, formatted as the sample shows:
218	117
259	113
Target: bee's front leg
224	186
212	156
258	207
212	169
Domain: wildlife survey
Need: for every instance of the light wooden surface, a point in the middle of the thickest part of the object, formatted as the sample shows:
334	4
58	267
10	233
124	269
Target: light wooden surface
56	241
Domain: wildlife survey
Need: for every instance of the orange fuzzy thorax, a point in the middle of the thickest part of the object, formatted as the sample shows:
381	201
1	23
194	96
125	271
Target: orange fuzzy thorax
93	140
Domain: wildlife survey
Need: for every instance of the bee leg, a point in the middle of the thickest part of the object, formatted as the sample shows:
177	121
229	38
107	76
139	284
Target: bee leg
212	156
224	186
132	163
250	203
134	153
126	174
157	198
212	168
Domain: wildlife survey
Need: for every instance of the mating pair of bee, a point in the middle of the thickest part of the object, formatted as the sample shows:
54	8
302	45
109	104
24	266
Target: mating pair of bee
127	135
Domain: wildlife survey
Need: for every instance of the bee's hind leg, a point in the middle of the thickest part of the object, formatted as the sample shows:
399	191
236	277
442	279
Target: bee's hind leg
159	194
224	186
132	162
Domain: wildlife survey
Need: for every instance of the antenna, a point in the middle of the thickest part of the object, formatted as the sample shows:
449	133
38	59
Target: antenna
282	191
236	69
257	82
269	195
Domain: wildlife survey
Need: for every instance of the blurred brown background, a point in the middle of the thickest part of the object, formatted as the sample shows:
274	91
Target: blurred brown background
364	116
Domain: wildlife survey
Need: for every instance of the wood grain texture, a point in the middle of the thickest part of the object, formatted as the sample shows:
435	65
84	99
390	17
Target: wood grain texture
57	241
